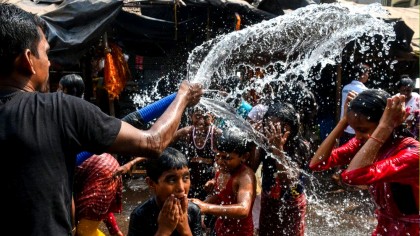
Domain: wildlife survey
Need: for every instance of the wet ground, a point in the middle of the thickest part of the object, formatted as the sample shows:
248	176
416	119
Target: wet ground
331	211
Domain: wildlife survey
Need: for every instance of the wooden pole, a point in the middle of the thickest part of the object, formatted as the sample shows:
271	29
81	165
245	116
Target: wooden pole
110	98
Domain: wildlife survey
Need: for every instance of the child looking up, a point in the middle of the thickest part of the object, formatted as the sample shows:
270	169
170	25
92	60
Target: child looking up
196	140
234	186
168	211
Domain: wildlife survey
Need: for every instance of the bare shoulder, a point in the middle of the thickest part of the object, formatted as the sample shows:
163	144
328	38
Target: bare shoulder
247	175
183	133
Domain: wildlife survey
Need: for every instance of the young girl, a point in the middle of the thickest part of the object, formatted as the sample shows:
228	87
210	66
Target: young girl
381	155
283	202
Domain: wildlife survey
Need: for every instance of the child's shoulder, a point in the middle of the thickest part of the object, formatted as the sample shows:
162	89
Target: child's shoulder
194	212
193	207
146	208
246	172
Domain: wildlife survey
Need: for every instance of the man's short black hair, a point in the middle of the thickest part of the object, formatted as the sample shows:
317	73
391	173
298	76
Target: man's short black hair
74	84
19	30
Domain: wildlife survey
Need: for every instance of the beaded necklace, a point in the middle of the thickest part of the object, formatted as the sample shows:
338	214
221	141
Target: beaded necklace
205	140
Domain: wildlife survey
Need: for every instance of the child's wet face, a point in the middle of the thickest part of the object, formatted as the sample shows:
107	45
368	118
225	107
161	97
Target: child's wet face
228	161
272	120
201	119
176	182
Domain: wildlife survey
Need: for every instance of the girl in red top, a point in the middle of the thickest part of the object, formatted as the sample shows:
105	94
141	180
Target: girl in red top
382	155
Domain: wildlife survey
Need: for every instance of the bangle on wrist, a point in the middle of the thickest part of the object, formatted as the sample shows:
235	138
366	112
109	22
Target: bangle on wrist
377	139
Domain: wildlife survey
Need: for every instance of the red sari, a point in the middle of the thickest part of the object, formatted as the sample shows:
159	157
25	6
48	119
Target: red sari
393	181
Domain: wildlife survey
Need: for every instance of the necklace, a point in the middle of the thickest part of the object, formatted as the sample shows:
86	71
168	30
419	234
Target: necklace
205	140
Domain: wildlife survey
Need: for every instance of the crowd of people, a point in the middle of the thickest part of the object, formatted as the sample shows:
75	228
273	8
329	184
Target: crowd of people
202	176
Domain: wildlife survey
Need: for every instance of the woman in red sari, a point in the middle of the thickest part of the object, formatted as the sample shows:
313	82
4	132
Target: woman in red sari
382	155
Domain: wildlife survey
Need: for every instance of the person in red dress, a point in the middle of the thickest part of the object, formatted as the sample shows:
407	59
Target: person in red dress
382	155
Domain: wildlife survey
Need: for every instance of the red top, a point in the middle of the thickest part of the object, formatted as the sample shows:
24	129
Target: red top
393	182
230	226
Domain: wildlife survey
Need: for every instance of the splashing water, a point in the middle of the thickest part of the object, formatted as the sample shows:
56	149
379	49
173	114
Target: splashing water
294	44
298	41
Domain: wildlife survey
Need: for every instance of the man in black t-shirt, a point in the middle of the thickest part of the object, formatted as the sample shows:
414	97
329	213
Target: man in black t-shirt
41	133
168	211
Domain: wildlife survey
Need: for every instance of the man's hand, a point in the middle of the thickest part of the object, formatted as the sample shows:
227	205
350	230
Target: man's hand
209	186
200	204
193	91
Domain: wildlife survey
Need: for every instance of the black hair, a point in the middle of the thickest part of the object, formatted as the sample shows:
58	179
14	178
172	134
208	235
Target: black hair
405	81
233	140
74	84
170	159
286	113
19	30
296	146
371	103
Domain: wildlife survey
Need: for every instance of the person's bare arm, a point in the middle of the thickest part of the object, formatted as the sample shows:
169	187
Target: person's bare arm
393	116
152	142
182	134
245	197
324	150
124	169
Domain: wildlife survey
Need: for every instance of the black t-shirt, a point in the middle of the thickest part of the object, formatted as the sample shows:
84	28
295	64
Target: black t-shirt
40	135
143	219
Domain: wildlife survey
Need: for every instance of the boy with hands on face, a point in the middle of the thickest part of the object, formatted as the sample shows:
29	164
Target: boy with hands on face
168	211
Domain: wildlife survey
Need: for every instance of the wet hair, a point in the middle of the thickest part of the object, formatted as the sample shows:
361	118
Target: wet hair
197	109
370	103
170	159
233	140
405	81
296	146
286	113
74	84
19	30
